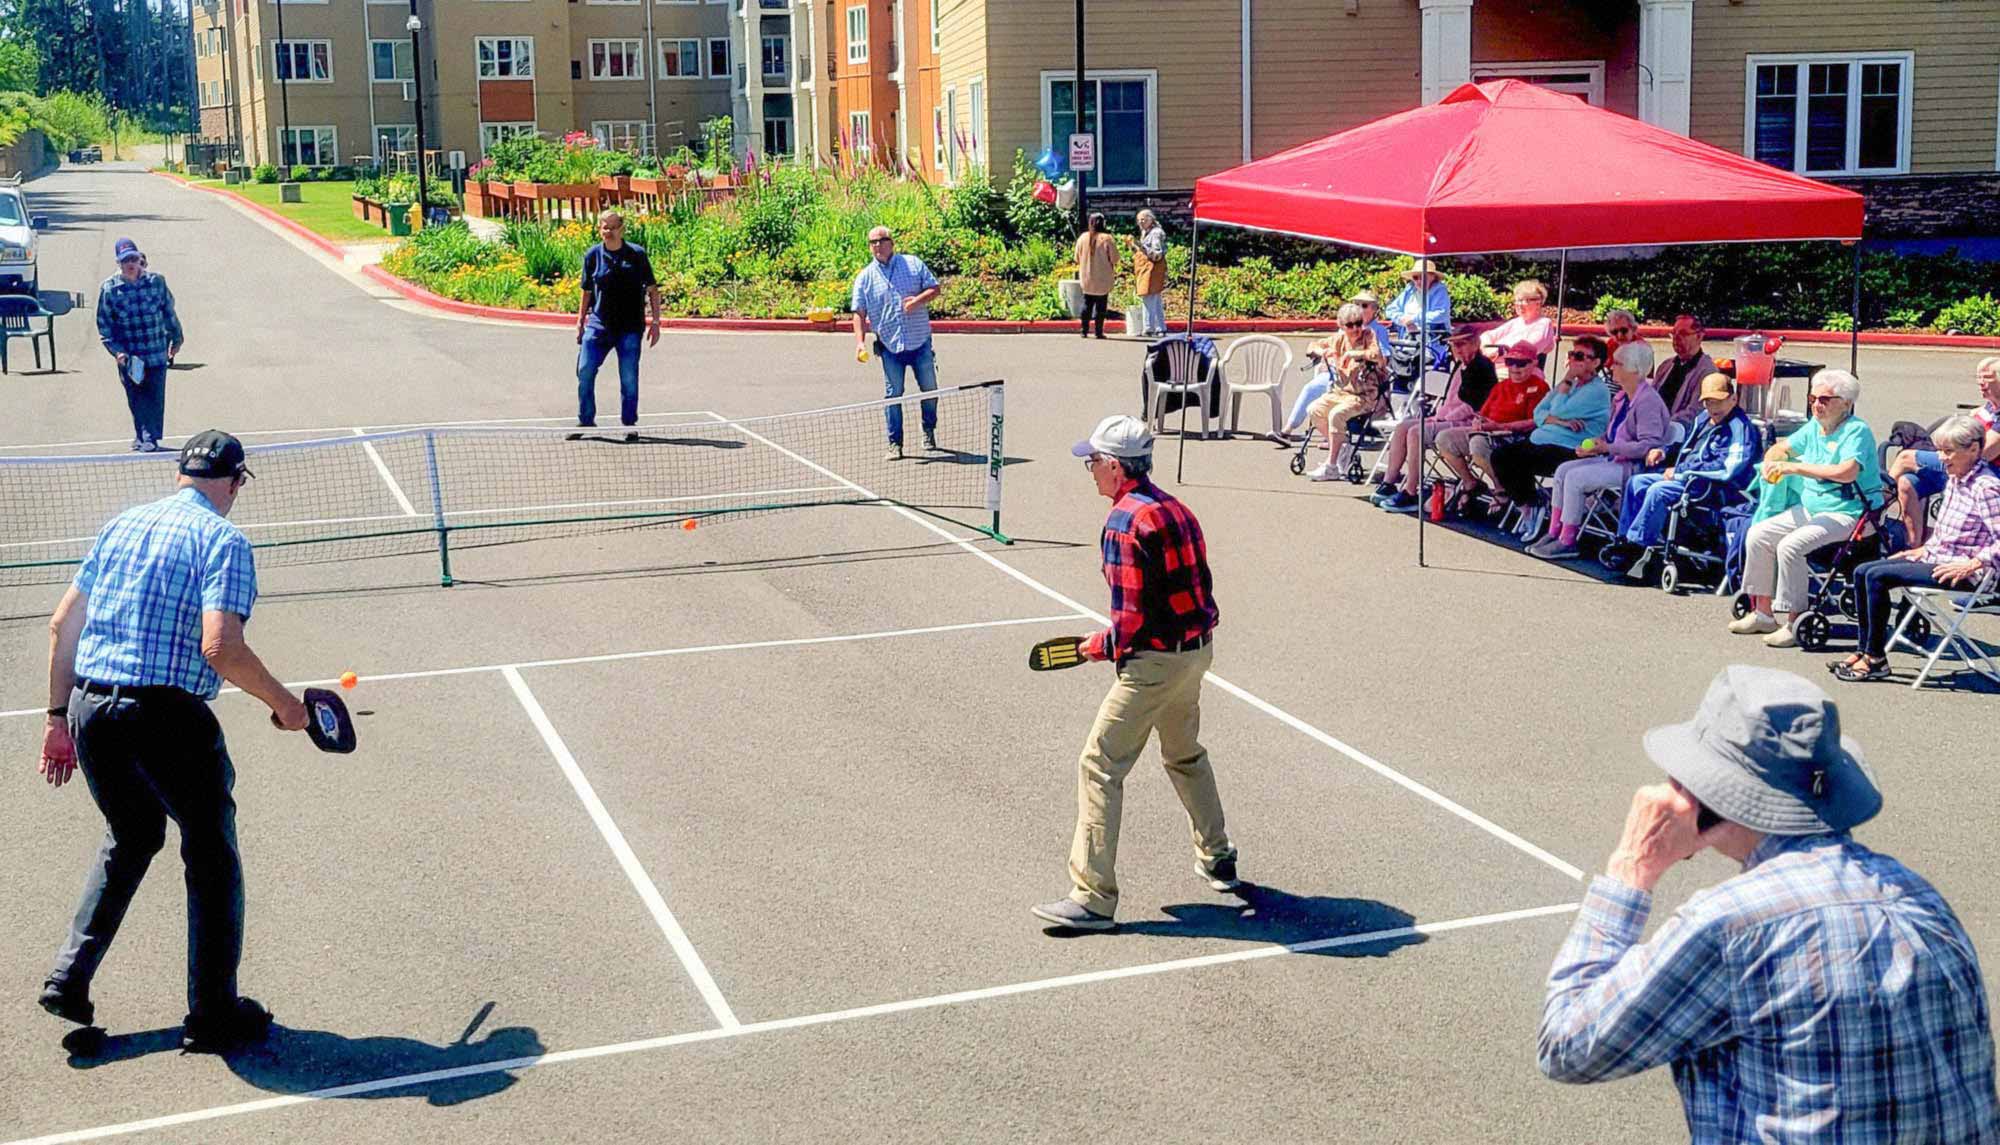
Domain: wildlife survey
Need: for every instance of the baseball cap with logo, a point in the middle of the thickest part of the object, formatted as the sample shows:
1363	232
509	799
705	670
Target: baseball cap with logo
125	249
1120	435
213	453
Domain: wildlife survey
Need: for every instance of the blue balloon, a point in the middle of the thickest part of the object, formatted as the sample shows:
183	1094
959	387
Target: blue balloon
1049	164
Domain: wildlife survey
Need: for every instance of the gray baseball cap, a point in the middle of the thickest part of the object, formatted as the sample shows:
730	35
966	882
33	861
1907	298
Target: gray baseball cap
1765	750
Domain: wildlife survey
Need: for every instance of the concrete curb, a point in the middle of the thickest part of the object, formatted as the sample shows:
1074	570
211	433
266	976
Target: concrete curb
314	237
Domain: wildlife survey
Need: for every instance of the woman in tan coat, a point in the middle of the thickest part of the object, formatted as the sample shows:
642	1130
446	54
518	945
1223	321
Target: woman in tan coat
1096	271
1149	274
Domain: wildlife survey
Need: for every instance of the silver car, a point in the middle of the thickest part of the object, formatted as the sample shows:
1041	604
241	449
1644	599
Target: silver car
20	268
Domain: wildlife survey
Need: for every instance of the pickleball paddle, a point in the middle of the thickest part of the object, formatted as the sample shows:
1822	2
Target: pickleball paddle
327	723
1055	654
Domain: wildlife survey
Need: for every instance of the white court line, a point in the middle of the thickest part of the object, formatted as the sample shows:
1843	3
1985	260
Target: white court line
627	861
644	419
1262	705
655	653
368	447
935	1001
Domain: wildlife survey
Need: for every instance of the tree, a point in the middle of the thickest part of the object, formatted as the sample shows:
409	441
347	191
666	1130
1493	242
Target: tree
20	66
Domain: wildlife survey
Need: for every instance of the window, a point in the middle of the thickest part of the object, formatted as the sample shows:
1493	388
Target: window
389	61
953	146
857	35
393	137
1829	114
936	41
1126	147
491	133
506	57
975	113
617	60
680	59
778	125
304	61
632	135
309	146
859	140
774	56
937	139
1583	79
718	56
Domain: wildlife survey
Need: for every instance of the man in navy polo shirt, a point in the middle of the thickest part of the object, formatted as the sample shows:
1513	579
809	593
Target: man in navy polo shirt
618	291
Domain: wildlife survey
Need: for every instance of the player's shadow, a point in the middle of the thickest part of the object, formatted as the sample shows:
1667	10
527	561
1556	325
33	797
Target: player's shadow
1323	924
295	1061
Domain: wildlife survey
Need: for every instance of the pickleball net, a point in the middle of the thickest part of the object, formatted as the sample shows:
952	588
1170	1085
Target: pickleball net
449	489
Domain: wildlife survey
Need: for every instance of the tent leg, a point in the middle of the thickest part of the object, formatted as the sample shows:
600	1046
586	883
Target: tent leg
1194	258
1562	299
1423	368
1854	334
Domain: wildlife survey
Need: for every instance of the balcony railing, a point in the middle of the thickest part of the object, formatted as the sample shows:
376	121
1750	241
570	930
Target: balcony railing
804	66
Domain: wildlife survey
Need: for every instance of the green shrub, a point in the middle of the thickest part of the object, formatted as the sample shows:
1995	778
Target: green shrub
1978	315
1473	299
264	173
1841	323
1905	319
1606	303
976	205
549	252
1027	216
441	250
1753	318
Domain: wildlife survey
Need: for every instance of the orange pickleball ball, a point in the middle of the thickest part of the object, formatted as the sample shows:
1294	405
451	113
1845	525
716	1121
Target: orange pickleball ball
349	679
689	525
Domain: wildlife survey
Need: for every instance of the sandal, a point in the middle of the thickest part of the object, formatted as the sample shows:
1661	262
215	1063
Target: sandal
1857	660
1870	669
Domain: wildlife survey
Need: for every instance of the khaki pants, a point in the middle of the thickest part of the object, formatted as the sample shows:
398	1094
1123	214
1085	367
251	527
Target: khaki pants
1155	690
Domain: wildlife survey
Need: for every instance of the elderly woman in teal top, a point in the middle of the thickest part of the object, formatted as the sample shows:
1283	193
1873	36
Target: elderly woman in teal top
1819	481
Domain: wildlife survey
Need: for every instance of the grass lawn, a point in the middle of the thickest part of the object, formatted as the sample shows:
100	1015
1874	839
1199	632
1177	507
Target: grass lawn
327	210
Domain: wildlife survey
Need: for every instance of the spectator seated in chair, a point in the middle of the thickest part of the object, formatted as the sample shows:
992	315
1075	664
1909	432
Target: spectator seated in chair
1323	376
1529	324
1722	455
1460	406
1963	548
1920	473
1360	370
1620	326
1508	410
1820	481
1679	378
1638	429
1577	407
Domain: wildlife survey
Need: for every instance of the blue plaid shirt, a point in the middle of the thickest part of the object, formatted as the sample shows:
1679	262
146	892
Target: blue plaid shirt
879	291
149	577
138	317
1826	994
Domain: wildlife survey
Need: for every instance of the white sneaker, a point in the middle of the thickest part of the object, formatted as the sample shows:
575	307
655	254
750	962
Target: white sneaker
1782	638
1324	473
1754	624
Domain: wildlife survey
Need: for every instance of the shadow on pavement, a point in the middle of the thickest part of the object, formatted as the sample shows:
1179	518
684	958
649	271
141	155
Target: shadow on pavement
294	1061
1269	915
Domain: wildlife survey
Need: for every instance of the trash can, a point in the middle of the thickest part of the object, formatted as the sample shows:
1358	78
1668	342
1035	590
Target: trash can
399	217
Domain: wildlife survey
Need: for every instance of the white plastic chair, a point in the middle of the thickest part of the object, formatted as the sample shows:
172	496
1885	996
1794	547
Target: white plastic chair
1183	367
1264	362
1946	609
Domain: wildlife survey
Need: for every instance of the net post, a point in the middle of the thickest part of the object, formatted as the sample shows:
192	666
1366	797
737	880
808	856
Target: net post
437	509
996	455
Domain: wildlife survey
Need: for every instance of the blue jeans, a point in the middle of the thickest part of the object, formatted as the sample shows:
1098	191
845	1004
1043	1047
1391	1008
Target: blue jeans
148	403
1156	312
895	368
597	346
1314	389
1643	514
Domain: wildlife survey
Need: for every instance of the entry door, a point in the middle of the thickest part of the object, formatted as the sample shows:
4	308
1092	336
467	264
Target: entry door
1583	79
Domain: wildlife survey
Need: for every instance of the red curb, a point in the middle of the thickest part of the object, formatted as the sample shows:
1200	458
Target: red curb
418	294
1811	337
306	233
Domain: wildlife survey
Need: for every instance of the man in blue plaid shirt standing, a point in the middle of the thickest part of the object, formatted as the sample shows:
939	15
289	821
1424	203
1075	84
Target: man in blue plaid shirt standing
1826	994
149	629
892	295
137	323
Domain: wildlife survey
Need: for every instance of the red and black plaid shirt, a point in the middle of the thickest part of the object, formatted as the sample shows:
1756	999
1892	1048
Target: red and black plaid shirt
1157	566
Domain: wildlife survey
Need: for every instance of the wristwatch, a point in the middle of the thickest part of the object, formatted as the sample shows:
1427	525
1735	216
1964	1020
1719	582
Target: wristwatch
59	712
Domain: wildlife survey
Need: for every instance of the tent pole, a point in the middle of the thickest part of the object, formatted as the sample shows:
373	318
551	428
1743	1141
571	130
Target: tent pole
1416	457
1194	257
1562	298
1854	334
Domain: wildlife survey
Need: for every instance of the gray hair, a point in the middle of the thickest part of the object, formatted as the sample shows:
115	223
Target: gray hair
1349	312
608	214
1621	312
1985	364
1144	217
1844	385
1634	356
1960	431
1135	467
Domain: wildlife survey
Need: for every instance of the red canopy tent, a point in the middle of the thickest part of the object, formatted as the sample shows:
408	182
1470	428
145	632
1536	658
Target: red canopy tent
1455	178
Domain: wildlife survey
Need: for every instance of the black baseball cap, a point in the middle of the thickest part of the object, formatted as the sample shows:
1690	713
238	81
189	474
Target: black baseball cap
213	453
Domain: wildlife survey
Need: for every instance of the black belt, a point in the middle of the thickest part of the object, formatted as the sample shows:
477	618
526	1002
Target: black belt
1190	645
134	691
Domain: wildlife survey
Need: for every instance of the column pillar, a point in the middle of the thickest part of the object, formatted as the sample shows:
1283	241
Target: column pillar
1447	47
1666	62
750	131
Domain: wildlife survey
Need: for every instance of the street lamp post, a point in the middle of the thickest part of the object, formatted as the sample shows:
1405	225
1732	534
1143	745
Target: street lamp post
1082	206
416	25
285	95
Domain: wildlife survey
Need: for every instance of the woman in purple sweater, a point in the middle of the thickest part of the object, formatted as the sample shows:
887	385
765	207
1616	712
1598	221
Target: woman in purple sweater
1639	425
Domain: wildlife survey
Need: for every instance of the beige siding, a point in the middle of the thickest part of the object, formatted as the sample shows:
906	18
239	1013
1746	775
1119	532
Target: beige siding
962	59
1315	70
1955	73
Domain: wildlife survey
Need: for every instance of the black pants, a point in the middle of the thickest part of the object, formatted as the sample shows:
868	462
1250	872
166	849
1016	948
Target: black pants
1873	581
149	755
1518	464
1095	304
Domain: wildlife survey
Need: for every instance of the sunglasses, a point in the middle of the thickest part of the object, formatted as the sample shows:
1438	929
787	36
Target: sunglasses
873	242
1352	325
1581	356
1519	363
1817	398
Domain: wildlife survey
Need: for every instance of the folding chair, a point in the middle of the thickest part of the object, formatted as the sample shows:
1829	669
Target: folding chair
1183	370
1265	361
1945	610
1600	509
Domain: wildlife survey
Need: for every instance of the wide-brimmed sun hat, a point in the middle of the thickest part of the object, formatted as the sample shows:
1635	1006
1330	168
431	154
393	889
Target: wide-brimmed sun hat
1765	750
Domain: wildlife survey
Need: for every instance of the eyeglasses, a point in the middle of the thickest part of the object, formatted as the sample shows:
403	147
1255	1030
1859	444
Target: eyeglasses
1352	325
1519	363
1817	398
872	242
1580	356
1090	462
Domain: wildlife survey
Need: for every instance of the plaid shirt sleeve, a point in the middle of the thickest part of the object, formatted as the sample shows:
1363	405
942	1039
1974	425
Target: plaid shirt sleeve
1122	570
107	323
229	577
1616	1007
170	317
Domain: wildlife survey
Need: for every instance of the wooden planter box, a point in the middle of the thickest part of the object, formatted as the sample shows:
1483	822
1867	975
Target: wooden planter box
475	199
640	185
360	208
547	200
615	187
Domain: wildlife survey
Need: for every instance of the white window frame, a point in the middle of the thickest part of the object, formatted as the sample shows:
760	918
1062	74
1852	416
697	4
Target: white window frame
608	134
937	24
1854	60
402	44
1152	77
975	113
1592	90
289	3
861	133
635	64
677	73
678	2
951	153
327	156
521	69
939	149
397	130
294	45
373	1
491	132
728	56
857	46
784	56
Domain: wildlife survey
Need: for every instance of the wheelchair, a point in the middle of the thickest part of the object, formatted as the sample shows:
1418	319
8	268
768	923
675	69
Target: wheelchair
1694	544
1831	587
